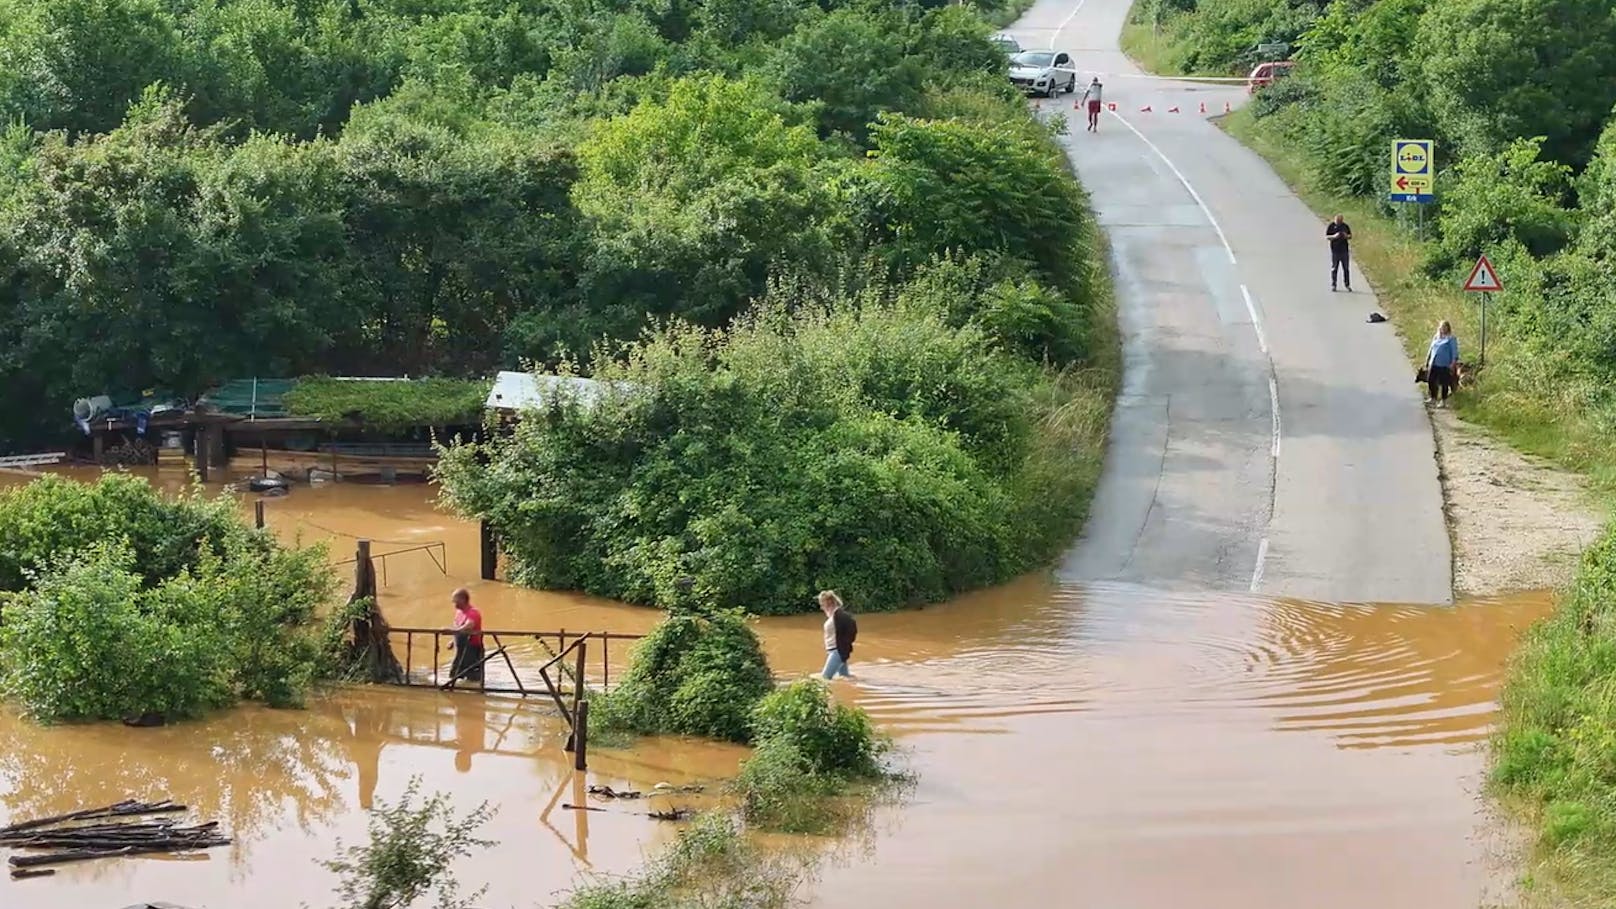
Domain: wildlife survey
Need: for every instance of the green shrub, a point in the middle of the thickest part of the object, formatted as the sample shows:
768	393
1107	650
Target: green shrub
54	516
831	738
809	752
412	844
90	643
692	675
780	792
713	865
99	635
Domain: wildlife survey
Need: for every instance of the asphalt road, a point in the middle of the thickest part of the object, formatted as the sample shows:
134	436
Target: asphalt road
1268	438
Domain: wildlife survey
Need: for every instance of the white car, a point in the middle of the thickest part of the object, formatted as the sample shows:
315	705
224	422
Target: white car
1043	72
1006	43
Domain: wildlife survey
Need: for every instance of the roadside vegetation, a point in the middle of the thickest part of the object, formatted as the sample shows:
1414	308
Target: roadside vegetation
904	397
192	191
118	603
1518	98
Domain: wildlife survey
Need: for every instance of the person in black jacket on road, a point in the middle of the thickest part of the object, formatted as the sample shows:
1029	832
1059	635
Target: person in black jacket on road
1340	236
840	632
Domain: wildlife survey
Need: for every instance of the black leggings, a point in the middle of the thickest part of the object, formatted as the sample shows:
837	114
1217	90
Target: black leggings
1439	379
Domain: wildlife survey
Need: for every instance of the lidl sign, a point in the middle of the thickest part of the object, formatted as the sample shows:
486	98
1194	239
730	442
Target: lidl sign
1413	170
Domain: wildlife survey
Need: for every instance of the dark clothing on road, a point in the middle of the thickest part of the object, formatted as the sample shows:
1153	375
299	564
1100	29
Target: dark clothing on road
1339	235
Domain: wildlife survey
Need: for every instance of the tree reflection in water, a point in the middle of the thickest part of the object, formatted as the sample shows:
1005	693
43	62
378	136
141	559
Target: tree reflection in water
252	769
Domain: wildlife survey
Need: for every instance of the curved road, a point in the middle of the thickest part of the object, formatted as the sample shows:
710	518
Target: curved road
1184	719
1268	439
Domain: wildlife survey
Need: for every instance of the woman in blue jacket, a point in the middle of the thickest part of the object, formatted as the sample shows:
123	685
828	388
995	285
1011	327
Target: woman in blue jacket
1441	363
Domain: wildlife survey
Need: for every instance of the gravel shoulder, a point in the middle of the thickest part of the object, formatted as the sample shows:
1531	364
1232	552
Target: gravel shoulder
1517	523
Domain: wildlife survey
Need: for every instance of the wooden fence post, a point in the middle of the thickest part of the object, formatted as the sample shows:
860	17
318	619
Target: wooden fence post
490	550
258	513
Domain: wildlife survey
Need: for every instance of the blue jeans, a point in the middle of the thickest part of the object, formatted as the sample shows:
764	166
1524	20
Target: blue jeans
835	666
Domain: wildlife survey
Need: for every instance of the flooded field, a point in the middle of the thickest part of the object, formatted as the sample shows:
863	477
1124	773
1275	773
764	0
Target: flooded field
1110	746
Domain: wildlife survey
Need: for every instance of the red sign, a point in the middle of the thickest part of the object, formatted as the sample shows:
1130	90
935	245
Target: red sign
1483	278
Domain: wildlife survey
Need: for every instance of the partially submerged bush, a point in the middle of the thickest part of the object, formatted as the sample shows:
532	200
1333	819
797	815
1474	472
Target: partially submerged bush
874	448
810	749
692	675
412	845
101	635
713	865
831	737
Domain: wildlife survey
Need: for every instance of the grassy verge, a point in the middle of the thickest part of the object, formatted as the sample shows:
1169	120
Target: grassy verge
1150	47
1554	756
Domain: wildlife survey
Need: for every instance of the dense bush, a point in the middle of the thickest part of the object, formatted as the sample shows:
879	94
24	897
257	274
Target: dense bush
692	675
809	751
194	191
832	738
53	517
130	605
871	448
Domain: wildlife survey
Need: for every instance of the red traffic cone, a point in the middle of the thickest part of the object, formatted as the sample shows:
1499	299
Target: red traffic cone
1145	109
1203	107
1173	109
1225	107
1111	106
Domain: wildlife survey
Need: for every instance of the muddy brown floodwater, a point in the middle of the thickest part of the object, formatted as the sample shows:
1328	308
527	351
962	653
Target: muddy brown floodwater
1100	746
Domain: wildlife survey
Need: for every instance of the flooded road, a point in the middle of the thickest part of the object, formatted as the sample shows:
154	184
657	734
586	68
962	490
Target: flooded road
1106	746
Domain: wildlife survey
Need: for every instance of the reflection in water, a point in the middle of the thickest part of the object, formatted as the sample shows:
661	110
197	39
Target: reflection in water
1254	752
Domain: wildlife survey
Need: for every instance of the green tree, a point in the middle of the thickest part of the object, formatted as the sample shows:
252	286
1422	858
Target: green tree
691	198
852	64
1513	195
79	64
1498	70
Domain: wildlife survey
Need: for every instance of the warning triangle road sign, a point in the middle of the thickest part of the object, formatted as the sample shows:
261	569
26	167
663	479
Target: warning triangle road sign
1483	278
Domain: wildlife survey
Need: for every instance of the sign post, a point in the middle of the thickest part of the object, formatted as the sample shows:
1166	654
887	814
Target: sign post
1483	280
1414	174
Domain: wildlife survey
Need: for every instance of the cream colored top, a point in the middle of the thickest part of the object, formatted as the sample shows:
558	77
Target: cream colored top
830	632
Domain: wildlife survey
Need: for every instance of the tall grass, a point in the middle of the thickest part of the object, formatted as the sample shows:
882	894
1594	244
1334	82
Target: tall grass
1555	749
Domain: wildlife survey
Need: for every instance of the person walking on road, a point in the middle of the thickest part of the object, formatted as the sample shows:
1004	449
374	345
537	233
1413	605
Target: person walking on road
468	640
1441	364
840	632
1339	235
1091	97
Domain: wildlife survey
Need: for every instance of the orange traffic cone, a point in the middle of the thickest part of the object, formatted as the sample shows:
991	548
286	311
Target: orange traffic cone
1225	107
1111	106
1203	107
1173	109
1145	109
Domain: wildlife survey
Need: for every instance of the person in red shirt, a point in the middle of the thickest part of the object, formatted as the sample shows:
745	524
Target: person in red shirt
468	640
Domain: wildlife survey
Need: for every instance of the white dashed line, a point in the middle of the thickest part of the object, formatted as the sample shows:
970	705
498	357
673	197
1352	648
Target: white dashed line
1256	573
